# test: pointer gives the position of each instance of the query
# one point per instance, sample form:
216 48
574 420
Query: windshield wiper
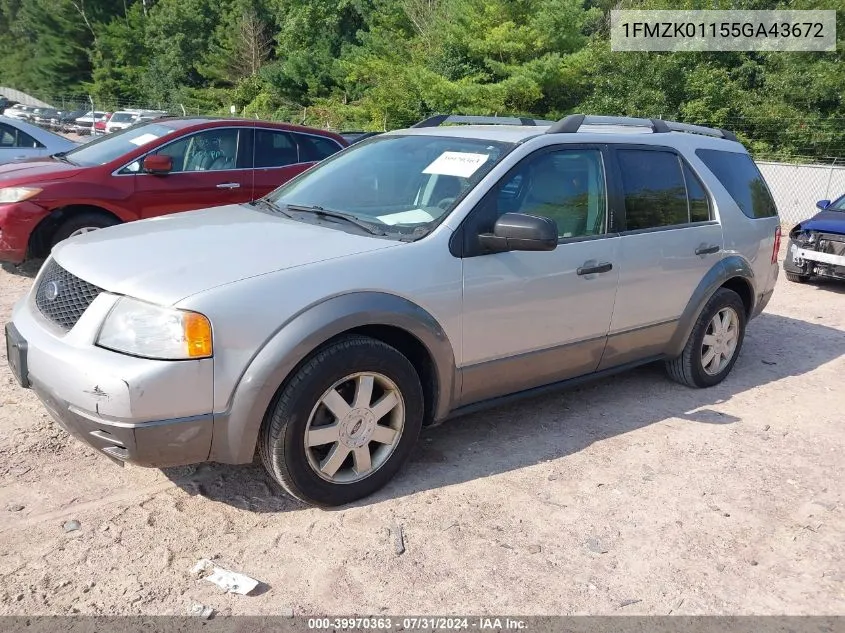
271 205
369 227
62 156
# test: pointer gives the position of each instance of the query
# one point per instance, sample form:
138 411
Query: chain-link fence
797 187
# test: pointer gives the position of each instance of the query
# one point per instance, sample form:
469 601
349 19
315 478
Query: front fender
236 430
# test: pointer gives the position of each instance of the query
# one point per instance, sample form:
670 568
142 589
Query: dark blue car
817 246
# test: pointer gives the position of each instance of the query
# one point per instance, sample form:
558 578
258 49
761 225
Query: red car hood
35 170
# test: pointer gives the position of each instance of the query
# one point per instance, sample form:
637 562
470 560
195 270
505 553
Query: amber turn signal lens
197 335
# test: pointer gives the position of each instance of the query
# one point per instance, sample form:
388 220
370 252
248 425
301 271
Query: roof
22 97
181 123
580 129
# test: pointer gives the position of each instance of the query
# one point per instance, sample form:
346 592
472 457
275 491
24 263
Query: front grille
63 297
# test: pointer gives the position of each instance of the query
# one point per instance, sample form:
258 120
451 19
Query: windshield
121 117
108 148
404 182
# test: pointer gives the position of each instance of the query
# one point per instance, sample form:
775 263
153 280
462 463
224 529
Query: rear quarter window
743 181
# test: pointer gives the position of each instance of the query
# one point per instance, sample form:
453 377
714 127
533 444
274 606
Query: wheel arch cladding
733 273
389 318
43 232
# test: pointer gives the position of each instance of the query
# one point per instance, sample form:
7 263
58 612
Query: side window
567 186
212 150
7 136
654 189
744 182
699 203
315 148
12 137
274 148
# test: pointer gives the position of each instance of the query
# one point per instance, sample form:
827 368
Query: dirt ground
632 495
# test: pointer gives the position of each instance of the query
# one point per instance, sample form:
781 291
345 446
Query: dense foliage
380 64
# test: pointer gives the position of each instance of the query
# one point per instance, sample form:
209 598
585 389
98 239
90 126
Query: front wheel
714 343
344 424
80 223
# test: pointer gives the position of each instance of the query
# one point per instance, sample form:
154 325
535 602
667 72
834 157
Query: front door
533 318
17 145
669 242
210 168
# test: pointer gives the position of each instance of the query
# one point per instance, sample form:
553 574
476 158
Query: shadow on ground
553 426
28 269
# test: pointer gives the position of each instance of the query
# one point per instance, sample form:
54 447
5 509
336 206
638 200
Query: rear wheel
798 279
80 223
714 343
344 424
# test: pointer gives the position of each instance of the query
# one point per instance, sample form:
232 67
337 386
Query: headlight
17 194
144 329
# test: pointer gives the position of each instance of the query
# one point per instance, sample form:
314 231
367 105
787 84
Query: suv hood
166 259
35 170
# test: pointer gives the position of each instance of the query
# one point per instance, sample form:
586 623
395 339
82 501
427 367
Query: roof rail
439 119
572 123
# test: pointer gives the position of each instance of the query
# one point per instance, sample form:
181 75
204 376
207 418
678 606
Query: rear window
743 181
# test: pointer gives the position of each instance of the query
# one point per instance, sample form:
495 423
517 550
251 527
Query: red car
164 166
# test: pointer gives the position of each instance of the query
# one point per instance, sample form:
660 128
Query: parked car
63 121
817 246
5 102
125 118
85 124
415 275
20 140
161 167
19 111
43 116
100 124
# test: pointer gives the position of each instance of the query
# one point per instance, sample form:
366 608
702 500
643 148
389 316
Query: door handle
594 268
228 185
707 249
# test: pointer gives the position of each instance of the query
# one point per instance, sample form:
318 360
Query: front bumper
17 221
141 411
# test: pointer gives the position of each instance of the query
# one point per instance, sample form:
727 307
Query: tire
79 222
300 409
689 368
795 277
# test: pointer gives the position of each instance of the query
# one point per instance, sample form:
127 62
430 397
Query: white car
19 111
122 119
20 140
85 124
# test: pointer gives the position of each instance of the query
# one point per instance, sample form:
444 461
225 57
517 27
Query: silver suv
414 276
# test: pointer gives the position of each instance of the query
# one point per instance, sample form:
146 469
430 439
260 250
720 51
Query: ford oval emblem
51 291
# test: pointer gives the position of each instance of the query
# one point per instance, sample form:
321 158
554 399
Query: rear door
17 145
670 239
210 168
279 155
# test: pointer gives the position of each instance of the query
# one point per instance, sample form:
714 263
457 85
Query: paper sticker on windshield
143 139
415 216
461 164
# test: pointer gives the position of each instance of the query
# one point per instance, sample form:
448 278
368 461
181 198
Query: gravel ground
632 495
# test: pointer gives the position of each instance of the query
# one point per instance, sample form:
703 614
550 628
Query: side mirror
823 204
157 164
520 232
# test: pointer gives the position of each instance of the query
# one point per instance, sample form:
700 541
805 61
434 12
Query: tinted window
566 186
275 149
315 148
212 150
744 182
699 203
13 137
654 189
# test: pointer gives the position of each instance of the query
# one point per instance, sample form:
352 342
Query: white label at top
143 139
461 164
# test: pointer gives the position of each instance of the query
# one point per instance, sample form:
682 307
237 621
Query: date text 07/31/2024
416 623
